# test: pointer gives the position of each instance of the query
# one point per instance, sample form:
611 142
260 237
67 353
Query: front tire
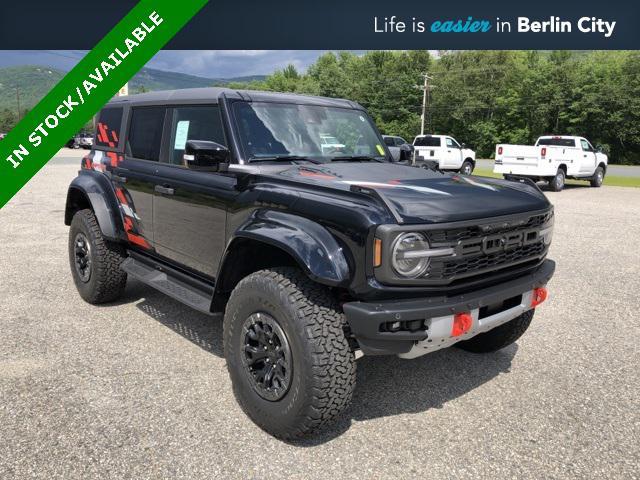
94 261
288 357
557 183
500 337
598 178
466 168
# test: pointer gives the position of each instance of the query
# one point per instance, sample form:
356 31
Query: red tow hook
539 295
461 324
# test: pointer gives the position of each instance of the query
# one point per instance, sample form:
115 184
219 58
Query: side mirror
599 148
463 145
206 155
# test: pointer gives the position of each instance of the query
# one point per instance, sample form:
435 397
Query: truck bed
529 160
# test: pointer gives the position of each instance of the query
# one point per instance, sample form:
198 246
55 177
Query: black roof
212 94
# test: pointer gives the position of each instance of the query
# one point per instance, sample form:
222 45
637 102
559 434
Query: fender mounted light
377 252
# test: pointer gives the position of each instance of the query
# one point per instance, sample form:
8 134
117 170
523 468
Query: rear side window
108 127
557 142
427 142
145 133
194 123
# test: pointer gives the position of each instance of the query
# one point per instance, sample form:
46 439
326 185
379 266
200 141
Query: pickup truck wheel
557 183
598 178
95 262
290 363
499 337
466 168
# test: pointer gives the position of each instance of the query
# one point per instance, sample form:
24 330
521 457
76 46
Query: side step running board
192 292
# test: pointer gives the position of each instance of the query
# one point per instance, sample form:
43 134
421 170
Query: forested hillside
28 84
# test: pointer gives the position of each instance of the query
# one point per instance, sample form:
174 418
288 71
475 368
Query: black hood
419 195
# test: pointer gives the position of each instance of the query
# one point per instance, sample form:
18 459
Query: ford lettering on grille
496 243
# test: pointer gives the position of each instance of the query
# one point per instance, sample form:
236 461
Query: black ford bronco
286 213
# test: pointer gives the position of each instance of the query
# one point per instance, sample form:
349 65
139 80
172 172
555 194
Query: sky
204 63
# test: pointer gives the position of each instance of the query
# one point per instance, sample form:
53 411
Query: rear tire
297 324
500 337
598 178
94 261
556 183
466 168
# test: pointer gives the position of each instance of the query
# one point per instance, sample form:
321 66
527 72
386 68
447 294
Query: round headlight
407 255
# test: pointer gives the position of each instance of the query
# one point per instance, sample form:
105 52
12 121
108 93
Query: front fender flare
313 247
98 191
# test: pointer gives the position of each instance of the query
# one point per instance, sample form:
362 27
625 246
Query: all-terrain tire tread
107 256
333 362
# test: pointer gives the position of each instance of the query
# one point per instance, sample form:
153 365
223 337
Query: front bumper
367 320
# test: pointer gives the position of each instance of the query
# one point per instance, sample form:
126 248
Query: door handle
118 178
585 155
164 190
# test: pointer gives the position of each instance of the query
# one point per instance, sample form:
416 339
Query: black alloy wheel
266 356
82 256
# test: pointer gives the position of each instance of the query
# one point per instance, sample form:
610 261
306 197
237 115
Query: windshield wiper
356 158
280 158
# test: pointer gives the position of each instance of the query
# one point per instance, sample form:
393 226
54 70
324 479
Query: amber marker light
377 252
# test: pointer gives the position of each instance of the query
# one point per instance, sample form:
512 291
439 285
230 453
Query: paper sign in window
182 133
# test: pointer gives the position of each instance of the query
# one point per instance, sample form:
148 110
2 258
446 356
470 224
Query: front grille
448 269
482 262
472 251
475 231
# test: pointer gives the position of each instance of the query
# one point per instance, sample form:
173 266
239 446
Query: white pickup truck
444 152
554 159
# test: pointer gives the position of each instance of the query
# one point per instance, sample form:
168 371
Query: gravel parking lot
139 389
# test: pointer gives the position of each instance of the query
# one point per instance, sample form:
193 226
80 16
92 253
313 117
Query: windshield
269 130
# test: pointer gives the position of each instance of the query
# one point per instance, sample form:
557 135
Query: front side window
389 141
452 143
281 130
194 123
586 146
145 133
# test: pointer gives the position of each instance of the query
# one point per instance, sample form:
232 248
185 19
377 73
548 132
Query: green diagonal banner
86 88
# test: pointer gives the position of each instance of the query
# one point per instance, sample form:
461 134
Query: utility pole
425 100
18 101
